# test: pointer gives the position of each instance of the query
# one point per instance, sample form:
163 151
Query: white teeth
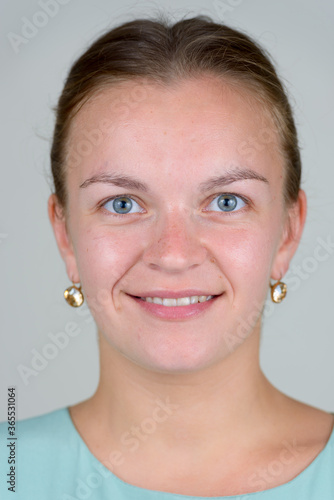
169 302
182 301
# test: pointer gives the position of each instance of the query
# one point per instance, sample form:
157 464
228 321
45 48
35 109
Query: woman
177 202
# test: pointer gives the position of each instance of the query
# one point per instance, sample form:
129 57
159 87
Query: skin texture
173 139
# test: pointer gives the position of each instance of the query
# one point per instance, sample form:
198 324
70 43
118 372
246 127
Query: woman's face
202 215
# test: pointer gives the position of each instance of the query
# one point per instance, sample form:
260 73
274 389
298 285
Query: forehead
187 122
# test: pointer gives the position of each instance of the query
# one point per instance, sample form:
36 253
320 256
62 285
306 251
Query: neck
172 412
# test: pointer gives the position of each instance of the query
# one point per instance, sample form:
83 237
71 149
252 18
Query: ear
58 221
291 235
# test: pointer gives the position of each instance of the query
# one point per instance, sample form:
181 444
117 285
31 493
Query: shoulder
317 453
40 451
35 435
305 424
312 425
46 420
307 437
50 424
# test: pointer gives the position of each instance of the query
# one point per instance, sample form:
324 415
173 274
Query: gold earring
278 291
74 296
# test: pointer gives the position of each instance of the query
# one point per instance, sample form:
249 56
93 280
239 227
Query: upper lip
169 294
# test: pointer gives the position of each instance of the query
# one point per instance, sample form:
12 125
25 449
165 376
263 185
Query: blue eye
121 205
124 205
228 203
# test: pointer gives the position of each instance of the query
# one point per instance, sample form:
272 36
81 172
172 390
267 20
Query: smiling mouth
182 301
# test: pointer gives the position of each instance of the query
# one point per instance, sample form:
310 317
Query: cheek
245 256
245 259
105 257
103 260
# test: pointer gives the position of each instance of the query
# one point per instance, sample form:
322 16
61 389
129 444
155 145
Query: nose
175 244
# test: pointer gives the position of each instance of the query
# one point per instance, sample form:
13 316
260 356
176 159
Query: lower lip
175 312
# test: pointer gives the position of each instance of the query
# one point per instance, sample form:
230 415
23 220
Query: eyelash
126 195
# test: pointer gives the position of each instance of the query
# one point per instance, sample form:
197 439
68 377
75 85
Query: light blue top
54 463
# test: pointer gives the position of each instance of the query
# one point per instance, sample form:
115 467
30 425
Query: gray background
298 339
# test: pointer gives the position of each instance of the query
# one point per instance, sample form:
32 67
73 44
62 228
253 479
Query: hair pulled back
163 53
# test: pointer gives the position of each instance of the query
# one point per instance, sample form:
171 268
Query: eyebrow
120 180
233 175
128 182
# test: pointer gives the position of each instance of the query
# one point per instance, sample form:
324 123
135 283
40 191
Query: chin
178 361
